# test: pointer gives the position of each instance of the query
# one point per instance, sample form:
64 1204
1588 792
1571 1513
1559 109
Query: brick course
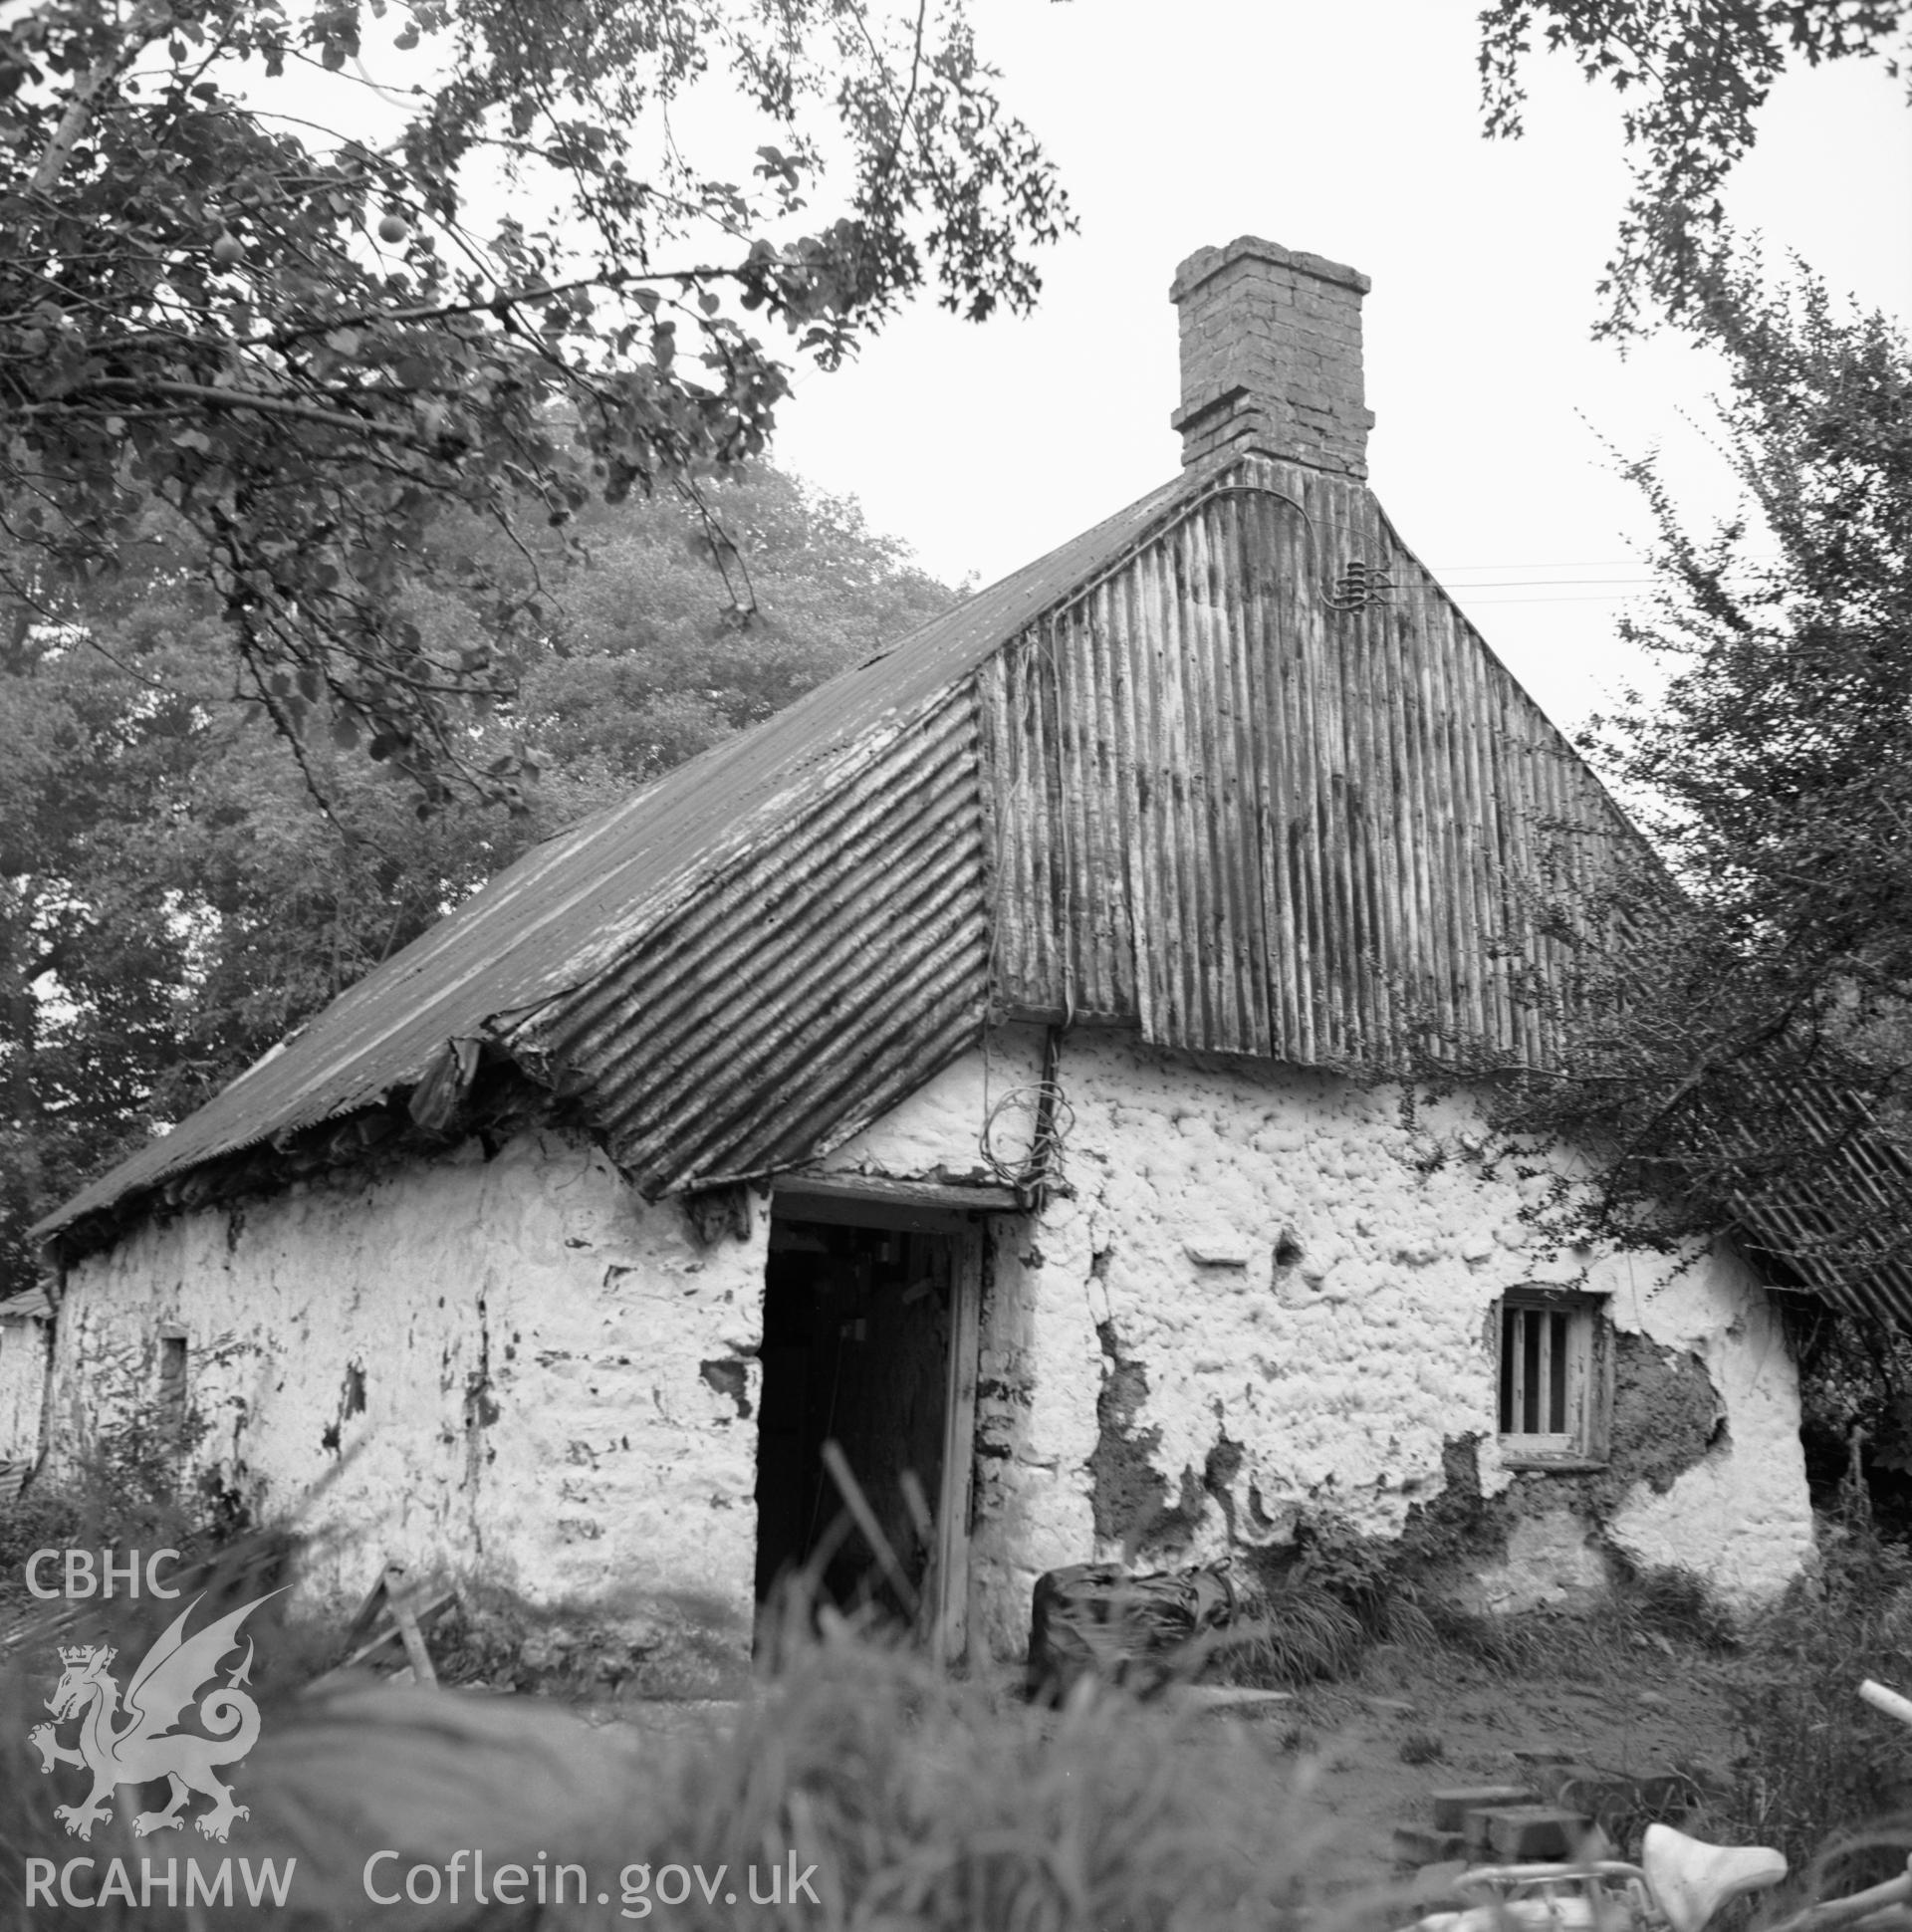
1272 356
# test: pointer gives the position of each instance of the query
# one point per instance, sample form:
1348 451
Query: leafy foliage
1737 1021
1817 1763
240 281
1695 73
180 894
628 685
132 1480
1855 1420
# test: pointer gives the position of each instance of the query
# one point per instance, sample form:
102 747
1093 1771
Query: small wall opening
857 1323
172 1380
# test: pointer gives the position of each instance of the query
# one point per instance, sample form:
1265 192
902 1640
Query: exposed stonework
1667 1416
1258 1299
1298 1295
511 1367
1124 1491
1546 1539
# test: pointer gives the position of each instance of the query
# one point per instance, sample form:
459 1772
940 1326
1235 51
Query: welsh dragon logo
136 1744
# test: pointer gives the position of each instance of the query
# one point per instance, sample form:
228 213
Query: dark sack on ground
1092 1620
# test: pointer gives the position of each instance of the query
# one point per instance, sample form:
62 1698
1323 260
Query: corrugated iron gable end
1253 821
815 982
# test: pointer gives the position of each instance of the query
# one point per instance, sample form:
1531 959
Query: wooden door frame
928 1207
949 1605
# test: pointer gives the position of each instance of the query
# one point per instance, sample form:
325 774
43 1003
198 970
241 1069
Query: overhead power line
1572 563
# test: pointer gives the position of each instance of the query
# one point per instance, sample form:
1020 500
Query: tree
1695 72
309 343
1736 1031
629 686
174 899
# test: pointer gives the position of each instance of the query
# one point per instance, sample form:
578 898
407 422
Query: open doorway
869 1343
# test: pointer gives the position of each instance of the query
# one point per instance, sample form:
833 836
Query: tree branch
149 19
213 398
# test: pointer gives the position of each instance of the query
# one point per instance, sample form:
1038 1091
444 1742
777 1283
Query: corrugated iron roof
1187 793
808 986
567 912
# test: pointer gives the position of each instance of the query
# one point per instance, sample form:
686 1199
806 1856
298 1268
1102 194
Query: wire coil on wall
1052 1119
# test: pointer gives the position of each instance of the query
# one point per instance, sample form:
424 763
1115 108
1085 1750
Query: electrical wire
1054 1119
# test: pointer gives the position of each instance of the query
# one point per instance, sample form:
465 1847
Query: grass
906 1799
931 1805
1293 1634
1826 1778
1643 1610
920 1801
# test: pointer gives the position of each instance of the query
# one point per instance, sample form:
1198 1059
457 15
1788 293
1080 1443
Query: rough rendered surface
23 1377
1264 1297
496 1366
1259 1299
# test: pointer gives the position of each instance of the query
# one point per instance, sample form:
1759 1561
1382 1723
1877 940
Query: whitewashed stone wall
1290 1292
23 1384
528 1341
1277 1294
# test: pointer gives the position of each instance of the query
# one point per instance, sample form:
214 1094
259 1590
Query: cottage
26 1331
973 1067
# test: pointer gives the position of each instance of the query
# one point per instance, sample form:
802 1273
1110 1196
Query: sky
1353 130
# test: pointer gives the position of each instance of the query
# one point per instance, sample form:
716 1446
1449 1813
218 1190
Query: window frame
174 1376
1588 1355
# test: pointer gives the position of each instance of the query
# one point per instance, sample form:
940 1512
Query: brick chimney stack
1272 356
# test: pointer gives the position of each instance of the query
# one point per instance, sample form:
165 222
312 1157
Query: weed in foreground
1816 1764
1293 1634
132 1480
916 1801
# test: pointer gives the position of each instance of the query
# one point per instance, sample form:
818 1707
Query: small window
1553 1378
172 1379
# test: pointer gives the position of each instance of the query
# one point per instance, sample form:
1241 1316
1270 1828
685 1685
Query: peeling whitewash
527 1336
1270 1258
23 1386
1341 1374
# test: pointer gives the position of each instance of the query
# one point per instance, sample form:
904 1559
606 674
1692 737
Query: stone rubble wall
1263 1297
490 1367
23 1386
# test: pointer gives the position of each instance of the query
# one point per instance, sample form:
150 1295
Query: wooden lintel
1026 1013
872 1201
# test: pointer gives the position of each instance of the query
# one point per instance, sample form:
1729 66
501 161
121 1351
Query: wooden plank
950 1639
369 1612
378 1603
1517 1339
1543 1395
865 1518
398 1600
392 1632
868 1200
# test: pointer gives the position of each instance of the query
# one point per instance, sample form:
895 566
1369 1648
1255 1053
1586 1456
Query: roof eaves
511 950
